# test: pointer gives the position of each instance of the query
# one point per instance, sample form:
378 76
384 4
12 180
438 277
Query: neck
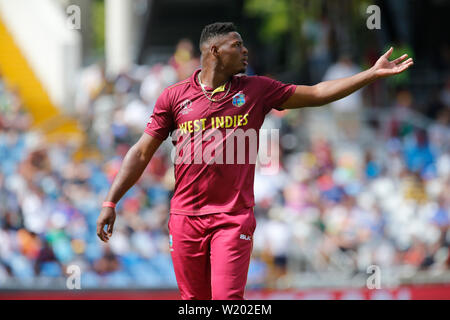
212 78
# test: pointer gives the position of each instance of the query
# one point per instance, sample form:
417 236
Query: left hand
385 68
107 217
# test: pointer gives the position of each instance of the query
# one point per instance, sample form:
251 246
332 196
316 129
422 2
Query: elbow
318 97
139 154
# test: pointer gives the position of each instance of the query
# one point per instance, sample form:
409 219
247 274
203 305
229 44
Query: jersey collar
196 84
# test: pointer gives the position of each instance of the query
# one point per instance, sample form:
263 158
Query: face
232 54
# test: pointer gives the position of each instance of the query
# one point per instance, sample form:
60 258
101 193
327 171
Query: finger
388 53
403 67
398 60
100 232
110 228
409 65
406 64
408 61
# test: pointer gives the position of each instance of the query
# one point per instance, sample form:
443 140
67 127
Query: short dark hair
216 29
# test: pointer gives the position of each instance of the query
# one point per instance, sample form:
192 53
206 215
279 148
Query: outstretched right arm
134 164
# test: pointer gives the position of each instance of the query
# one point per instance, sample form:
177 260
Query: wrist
373 75
108 204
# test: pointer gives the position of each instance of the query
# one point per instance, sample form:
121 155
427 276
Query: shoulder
254 81
170 93
179 85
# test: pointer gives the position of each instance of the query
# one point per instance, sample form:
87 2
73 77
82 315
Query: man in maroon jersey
211 212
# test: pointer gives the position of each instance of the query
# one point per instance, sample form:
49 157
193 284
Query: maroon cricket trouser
211 253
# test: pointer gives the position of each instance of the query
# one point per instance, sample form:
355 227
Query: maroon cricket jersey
205 186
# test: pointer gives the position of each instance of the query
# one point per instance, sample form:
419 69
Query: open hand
385 68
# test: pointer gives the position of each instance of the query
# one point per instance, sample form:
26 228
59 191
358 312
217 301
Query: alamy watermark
229 146
73 281
73 20
374 280
374 20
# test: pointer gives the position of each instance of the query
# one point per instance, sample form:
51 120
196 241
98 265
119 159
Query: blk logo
245 237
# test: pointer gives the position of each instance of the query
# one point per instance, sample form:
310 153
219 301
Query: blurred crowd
376 195
340 205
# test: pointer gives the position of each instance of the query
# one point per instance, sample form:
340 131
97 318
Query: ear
214 50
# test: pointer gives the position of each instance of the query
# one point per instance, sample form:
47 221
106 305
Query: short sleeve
161 122
275 93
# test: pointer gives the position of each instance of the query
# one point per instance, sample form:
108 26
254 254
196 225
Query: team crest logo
186 106
239 99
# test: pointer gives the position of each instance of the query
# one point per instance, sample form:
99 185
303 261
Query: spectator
328 209
347 111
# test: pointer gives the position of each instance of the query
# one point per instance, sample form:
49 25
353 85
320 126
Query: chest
195 113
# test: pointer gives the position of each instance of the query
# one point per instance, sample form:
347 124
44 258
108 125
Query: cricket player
211 221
